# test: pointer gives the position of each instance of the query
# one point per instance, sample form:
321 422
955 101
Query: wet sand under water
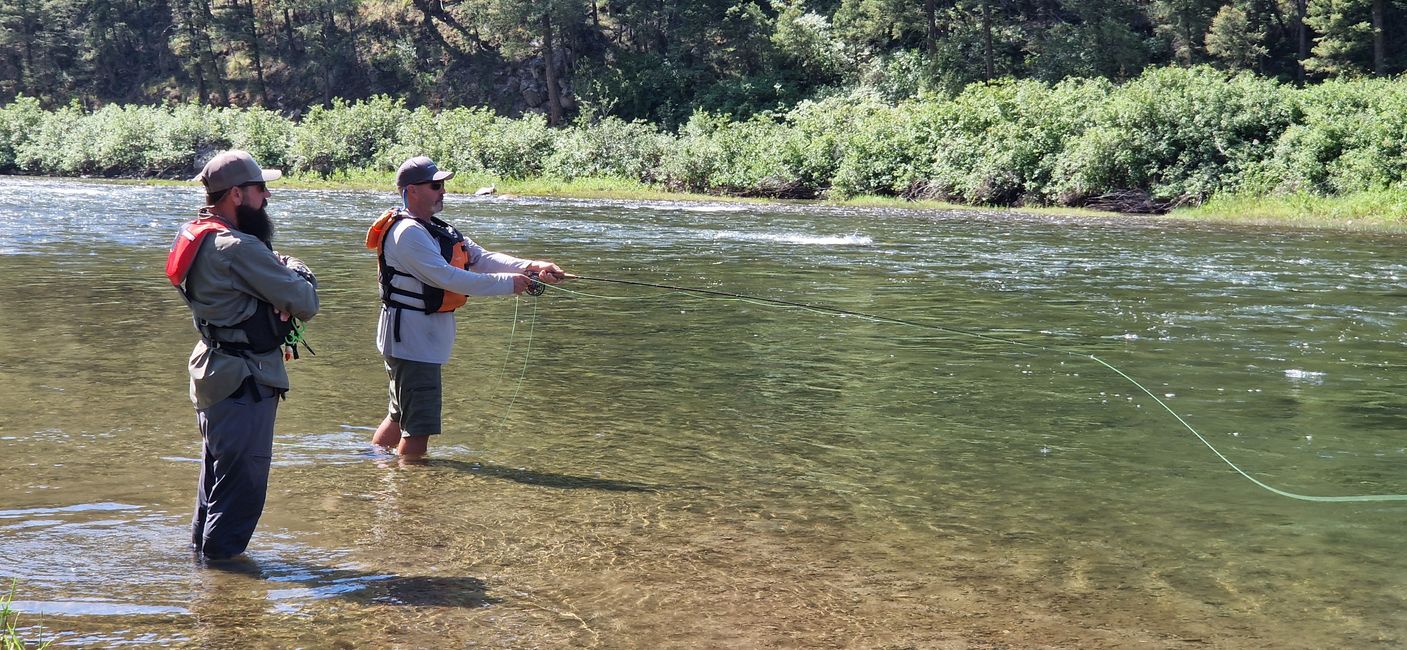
452 553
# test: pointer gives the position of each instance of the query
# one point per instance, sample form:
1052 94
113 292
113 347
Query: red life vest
263 332
453 248
187 244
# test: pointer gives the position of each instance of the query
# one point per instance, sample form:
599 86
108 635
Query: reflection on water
629 467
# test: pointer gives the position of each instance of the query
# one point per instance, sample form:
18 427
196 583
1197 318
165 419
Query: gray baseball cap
231 168
420 169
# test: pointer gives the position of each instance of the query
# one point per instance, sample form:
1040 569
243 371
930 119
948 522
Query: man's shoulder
235 242
230 249
408 226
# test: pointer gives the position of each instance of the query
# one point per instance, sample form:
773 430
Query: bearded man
243 296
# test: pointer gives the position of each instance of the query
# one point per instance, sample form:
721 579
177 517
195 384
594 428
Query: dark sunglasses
435 185
259 184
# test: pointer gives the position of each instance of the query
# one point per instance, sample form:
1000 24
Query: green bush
889 150
346 136
610 147
125 138
56 145
1174 132
998 142
266 135
815 142
511 148
1351 137
18 122
713 154
182 135
473 140
424 132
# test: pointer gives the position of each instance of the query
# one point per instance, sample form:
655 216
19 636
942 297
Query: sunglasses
256 184
436 185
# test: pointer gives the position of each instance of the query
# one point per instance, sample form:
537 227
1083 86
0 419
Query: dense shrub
713 154
265 134
51 143
610 147
511 148
1351 135
889 150
998 143
18 122
815 142
1174 132
1171 133
346 136
425 133
185 137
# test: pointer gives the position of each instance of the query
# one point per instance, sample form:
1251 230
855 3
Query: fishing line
833 311
527 352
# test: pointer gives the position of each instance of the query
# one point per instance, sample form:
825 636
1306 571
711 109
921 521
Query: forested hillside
655 60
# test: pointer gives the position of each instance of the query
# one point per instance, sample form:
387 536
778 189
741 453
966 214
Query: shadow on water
531 477
318 582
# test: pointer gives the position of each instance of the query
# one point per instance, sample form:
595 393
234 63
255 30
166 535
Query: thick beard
255 221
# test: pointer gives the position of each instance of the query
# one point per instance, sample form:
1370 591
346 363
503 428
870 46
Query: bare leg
388 434
413 448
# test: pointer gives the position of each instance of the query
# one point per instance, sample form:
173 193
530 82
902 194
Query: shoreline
1383 211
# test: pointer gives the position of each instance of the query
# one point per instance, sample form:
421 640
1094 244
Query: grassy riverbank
1382 211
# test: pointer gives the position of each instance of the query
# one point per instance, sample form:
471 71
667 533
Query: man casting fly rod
426 271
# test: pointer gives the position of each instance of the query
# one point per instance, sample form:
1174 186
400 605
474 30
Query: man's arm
484 260
267 278
417 253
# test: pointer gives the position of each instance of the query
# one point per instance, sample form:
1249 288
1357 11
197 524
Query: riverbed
945 466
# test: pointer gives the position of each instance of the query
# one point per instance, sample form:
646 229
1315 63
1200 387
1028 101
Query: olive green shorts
415 396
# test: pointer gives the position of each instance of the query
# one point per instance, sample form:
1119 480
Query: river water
631 467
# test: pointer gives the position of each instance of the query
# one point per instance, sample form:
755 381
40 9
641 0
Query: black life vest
453 247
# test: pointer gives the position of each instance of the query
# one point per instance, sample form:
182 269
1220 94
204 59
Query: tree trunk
256 54
930 17
204 18
329 30
1301 38
198 52
288 34
549 59
1379 50
987 35
27 80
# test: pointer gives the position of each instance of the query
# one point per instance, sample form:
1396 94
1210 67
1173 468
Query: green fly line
834 311
527 351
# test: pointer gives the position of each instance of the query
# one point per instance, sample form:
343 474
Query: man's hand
521 282
297 266
547 272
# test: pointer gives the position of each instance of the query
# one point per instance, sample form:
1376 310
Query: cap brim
442 176
272 175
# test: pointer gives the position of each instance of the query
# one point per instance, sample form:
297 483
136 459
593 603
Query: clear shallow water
680 471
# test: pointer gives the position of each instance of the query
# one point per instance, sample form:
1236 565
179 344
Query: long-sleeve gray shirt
231 273
429 338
